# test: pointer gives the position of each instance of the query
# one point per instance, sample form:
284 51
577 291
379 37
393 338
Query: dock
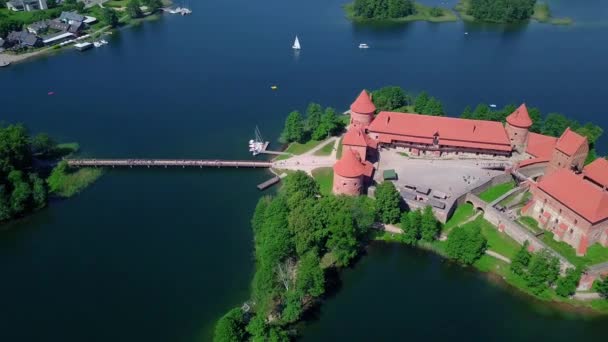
217 163
267 184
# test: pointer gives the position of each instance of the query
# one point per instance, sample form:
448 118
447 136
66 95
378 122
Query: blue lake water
158 255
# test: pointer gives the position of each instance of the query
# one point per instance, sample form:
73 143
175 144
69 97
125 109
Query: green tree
543 270
566 285
307 227
421 102
591 131
43 144
537 121
343 239
294 128
601 286
388 202
410 227
293 307
466 244
429 226
39 191
275 239
399 8
298 186
502 11
390 98
231 327
5 208
134 9
15 150
521 260
436 12
555 124
327 126
21 193
310 278
313 116
109 17
259 215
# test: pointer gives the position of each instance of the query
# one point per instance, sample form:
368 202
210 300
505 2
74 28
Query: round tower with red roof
362 110
518 126
349 174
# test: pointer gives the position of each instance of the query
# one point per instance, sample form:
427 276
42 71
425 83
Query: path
307 161
498 256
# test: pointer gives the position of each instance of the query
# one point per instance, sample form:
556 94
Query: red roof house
351 166
363 104
597 171
570 142
520 117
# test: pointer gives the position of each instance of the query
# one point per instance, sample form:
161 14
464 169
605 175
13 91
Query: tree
555 124
591 132
566 285
601 287
310 278
231 327
15 149
275 240
502 11
298 186
388 202
466 243
109 17
436 12
410 227
134 9
49 3
389 98
421 101
294 128
43 144
543 270
521 260
313 116
343 241
327 126
259 214
39 191
5 208
307 227
429 226
152 5
21 192
293 307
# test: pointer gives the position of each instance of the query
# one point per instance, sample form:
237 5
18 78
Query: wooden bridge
168 163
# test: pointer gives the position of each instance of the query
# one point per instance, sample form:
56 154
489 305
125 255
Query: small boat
97 44
50 93
4 64
363 46
274 87
493 105
83 46
466 33
296 44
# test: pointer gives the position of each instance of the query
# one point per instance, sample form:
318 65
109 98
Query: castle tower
362 110
570 152
517 127
349 174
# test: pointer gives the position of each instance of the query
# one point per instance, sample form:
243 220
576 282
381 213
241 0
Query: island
34 27
31 169
492 11
505 190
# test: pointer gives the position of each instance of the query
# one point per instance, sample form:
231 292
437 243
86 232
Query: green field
496 191
461 214
71 182
326 149
325 177
339 151
297 148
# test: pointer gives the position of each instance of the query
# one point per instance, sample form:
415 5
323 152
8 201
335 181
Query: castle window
575 221
560 210
515 133
545 201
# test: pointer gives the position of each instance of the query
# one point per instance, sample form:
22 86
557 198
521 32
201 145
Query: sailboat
256 146
296 44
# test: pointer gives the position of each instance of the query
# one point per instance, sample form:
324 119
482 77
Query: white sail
296 44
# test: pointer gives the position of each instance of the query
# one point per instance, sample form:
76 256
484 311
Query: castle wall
518 137
347 186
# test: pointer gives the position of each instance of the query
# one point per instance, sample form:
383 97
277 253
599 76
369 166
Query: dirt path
307 161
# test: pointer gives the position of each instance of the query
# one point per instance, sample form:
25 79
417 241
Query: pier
168 163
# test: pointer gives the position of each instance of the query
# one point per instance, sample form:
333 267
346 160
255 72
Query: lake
159 255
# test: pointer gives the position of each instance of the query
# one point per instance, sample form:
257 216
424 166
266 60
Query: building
518 127
38 27
23 39
71 18
570 152
351 173
356 140
26 5
574 206
362 110
438 134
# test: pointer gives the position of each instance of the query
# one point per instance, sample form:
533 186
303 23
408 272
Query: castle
570 200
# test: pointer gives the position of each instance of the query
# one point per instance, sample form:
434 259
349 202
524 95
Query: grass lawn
530 223
72 182
423 13
326 149
325 177
595 253
461 214
116 3
496 191
297 148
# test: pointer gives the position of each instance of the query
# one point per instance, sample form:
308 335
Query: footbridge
200 163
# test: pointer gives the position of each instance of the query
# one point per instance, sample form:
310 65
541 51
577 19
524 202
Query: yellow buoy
274 87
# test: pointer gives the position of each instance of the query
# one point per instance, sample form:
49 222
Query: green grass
405 154
462 8
493 193
116 3
326 149
297 148
423 13
325 177
542 14
498 242
595 253
530 223
70 182
461 214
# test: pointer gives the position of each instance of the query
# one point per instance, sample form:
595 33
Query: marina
83 46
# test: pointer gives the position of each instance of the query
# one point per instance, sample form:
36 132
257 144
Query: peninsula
527 206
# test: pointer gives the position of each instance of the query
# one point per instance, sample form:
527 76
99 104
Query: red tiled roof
570 142
363 104
532 161
597 171
520 117
540 145
581 196
351 166
355 136
451 131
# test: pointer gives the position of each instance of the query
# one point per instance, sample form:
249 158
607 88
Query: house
58 25
26 5
71 18
38 27
23 39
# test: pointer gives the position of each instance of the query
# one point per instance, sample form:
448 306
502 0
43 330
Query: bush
566 285
388 202
230 328
466 244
